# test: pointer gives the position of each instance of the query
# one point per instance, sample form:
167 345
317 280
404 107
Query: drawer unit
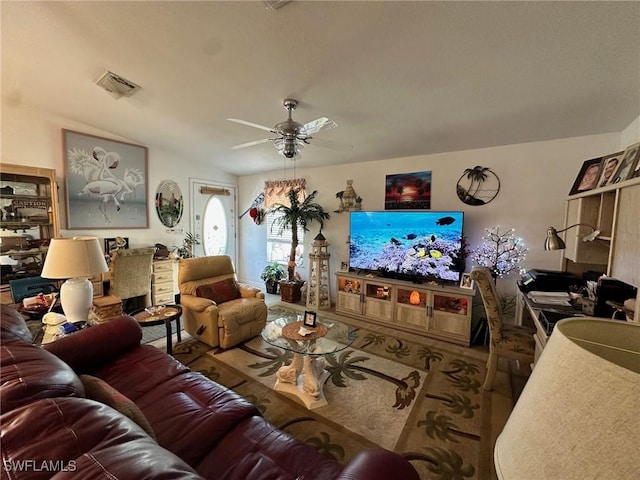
163 282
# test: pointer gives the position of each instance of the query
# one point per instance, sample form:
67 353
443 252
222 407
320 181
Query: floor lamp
75 259
577 417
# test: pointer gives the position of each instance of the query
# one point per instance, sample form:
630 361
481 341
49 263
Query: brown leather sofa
50 429
213 312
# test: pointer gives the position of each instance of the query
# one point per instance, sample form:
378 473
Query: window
279 245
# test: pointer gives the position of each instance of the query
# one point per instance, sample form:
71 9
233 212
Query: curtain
276 191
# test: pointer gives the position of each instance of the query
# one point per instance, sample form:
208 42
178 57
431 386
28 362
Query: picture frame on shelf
309 319
106 182
588 176
610 164
466 281
112 244
626 169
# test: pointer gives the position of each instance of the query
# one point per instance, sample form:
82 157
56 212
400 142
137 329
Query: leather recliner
219 324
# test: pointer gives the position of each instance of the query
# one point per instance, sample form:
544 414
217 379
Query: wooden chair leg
492 368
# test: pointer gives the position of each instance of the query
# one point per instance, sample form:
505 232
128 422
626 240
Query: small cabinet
28 219
439 312
163 282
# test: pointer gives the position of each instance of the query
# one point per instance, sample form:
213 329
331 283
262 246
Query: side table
156 315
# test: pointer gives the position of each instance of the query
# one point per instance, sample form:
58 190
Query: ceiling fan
291 136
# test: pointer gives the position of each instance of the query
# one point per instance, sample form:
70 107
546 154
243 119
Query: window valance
276 191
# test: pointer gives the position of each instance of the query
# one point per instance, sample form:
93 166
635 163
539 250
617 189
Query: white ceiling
399 78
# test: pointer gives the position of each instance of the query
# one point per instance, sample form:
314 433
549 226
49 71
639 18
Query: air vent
116 85
275 4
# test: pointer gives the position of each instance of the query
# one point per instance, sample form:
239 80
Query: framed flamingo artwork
106 182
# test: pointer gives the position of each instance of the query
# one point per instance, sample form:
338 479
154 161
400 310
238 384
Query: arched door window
214 228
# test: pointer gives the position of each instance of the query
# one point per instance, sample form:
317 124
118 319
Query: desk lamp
554 242
577 417
75 259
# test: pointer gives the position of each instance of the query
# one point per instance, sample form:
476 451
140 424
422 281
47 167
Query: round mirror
169 203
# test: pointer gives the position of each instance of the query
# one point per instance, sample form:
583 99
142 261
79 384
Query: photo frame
626 169
106 182
309 319
407 191
466 281
588 176
610 164
115 243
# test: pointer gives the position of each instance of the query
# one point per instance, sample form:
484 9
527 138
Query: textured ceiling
399 78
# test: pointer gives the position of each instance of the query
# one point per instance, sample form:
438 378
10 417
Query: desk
528 313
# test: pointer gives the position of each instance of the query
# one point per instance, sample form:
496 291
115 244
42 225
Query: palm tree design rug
419 397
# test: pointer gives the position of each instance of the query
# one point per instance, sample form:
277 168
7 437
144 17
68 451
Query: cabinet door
349 299
451 316
377 301
411 307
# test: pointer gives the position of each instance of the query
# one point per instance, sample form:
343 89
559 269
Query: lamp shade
553 241
74 257
577 417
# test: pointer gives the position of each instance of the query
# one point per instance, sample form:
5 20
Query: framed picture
106 182
408 191
610 164
627 166
115 243
309 319
587 179
466 281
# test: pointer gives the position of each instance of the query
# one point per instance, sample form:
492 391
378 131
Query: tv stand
430 310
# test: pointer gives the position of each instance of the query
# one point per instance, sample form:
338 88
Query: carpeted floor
416 396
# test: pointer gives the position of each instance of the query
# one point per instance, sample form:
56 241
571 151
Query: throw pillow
219 292
100 391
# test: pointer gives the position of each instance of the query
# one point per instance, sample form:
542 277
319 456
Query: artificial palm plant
297 214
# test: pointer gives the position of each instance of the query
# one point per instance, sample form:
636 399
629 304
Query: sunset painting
408 191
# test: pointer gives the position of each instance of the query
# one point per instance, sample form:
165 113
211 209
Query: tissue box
106 307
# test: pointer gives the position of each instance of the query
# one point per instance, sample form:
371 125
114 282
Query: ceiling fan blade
321 142
251 144
314 126
254 125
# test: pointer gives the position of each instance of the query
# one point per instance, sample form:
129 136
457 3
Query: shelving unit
430 310
614 211
29 219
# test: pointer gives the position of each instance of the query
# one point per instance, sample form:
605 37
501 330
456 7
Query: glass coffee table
305 376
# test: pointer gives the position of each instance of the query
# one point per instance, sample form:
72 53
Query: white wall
535 178
535 181
34 137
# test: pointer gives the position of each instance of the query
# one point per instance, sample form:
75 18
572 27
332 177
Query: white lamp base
76 297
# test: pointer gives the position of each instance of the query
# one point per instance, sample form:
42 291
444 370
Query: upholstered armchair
509 341
130 271
216 308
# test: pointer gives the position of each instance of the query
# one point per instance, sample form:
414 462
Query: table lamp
554 242
577 417
75 259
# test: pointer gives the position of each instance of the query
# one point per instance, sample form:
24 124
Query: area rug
419 397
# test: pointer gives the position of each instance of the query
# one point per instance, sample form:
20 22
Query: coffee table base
304 378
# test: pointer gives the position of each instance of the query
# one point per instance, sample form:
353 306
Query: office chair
131 277
509 341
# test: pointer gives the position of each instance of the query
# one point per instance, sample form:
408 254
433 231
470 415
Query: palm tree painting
408 191
478 186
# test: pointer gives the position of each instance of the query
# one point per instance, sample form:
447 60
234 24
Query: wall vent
116 85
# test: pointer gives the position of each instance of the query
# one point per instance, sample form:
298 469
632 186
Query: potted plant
296 214
271 275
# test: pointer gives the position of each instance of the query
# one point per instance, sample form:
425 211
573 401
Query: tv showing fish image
415 245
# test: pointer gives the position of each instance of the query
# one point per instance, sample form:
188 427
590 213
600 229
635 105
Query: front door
213 217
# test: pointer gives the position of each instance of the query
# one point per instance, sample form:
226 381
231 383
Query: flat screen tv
413 245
